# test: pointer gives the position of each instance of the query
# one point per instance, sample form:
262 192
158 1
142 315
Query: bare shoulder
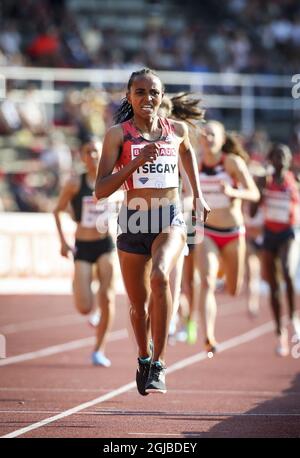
234 162
180 128
72 185
114 133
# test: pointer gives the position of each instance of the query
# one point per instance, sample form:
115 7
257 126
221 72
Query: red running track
50 389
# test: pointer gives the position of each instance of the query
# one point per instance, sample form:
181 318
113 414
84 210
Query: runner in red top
143 149
280 201
225 183
162 173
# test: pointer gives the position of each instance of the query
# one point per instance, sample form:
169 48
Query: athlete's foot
156 382
99 359
94 318
142 374
282 348
191 332
253 310
181 335
210 346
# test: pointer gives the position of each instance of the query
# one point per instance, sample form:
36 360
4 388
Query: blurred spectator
26 197
45 48
77 53
93 39
10 39
57 157
10 120
234 31
33 112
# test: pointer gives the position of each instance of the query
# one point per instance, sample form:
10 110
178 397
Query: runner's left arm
189 162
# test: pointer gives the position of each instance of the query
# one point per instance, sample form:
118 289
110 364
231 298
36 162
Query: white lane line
181 391
66 413
42 323
163 413
230 343
54 390
53 350
194 414
227 307
70 320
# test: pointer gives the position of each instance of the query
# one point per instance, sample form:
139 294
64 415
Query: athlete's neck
150 126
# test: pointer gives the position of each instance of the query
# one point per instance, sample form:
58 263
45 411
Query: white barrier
30 260
30 247
218 89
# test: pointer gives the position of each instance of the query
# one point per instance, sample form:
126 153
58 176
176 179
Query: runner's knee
107 295
83 302
159 280
138 312
83 308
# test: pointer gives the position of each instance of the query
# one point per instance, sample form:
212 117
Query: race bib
278 211
162 173
92 211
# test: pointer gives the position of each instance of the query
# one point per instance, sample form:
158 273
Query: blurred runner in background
92 249
280 202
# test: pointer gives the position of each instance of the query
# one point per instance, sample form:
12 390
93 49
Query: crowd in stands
249 36
257 36
38 155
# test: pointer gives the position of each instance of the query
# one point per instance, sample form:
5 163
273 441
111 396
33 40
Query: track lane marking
163 413
42 323
230 343
60 348
227 307
180 391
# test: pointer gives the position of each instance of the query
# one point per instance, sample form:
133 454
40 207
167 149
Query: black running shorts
90 251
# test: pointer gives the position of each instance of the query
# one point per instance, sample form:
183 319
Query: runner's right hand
65 249
147 154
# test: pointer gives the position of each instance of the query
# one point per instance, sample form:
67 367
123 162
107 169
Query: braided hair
183 106
125 111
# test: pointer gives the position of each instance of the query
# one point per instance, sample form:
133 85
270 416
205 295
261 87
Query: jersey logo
143 180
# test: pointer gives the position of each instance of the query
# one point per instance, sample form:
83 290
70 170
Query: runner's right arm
107 182
66 194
